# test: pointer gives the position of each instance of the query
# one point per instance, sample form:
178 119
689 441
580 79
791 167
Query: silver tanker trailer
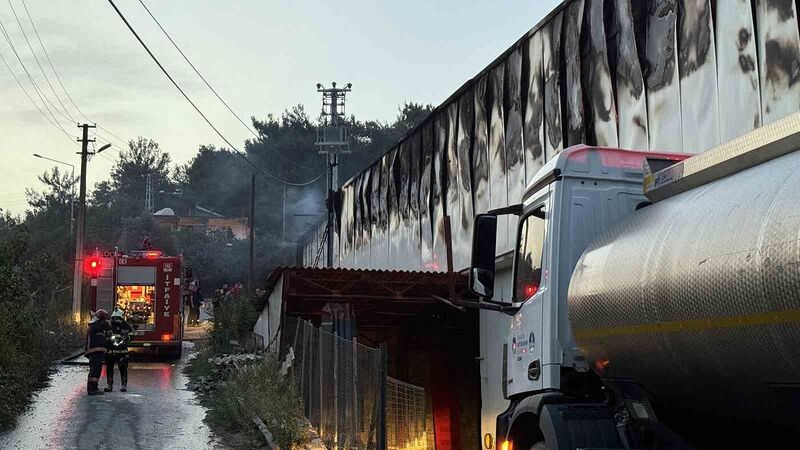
656 298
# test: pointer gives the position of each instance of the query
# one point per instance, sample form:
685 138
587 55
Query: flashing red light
152 254
531 289
92 266
166 337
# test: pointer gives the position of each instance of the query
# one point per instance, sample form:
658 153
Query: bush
224 378
267 395
31 338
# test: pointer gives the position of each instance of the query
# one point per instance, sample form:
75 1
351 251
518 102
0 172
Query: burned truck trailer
148 287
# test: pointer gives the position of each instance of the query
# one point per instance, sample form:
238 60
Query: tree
129 176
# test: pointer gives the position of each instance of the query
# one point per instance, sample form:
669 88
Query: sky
262 56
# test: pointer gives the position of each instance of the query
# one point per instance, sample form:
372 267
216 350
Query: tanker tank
697 298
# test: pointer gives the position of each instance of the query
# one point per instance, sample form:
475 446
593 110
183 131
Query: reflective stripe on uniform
96 349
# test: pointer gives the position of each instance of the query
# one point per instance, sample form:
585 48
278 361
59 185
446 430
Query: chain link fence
347 395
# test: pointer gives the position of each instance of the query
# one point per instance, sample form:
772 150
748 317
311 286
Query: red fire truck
148 287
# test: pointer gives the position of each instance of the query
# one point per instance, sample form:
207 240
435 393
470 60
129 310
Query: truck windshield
529 254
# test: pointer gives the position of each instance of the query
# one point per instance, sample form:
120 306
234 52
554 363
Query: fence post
321 385
383 373
336 440
356 434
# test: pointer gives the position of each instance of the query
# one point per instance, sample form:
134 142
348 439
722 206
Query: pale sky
262 56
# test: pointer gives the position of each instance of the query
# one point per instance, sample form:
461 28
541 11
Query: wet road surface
157 412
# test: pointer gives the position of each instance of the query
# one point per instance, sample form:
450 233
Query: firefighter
95 349
118 350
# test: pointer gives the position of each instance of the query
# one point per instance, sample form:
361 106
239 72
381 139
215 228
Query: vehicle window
529 255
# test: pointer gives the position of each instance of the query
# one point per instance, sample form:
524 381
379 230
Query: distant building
202 219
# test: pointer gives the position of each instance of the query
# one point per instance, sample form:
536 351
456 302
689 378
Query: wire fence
347 395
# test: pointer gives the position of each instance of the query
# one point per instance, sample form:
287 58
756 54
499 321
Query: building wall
269 321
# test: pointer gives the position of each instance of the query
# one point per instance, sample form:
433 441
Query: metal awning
380 293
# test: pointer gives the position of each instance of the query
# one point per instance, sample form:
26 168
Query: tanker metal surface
697 297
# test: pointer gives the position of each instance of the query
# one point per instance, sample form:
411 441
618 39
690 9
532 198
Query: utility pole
332 140
77 277
252 223
148 194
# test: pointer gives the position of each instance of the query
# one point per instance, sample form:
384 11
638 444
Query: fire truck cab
148 287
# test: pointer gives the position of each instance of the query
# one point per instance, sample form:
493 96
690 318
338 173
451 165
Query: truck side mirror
481 271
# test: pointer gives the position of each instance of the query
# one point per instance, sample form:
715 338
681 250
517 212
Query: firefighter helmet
102 314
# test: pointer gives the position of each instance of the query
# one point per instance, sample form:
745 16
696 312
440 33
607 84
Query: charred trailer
148 287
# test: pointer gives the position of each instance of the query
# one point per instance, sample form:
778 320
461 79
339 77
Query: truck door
526 338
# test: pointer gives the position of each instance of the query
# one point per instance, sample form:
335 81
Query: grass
234 385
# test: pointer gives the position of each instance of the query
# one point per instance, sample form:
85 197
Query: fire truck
148 287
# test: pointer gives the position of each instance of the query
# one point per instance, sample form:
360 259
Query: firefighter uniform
118 350
95 348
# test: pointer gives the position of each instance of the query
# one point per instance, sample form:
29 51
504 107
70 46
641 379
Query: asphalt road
157 412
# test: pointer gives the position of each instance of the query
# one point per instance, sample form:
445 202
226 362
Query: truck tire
541 445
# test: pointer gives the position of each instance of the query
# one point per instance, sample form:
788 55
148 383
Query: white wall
268 323
493 331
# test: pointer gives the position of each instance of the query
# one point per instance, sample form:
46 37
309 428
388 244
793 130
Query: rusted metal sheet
438 190
425 197
515 153
533 131
462 219
382 247
631 98
663 84
414 148
737 71
480 148
697 65
573 21
779 58
601 114
345 240
498 183
358 214
551 48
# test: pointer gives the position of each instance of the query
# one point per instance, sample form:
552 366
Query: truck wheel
541 445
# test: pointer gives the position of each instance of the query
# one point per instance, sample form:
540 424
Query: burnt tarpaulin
425 197
551 48
498 184
533 130
453 198
697 66
480 148
438 192
462 220
413 145
663 87
779 56
573 20
601 111
631 99
740 99
395 218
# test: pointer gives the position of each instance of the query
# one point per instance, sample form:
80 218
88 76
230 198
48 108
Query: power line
186 58
46 78
185 96
30 78
58 77
36 105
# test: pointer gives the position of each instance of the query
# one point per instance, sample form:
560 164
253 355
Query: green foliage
259 389
35 326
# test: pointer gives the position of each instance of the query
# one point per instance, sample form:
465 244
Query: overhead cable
186 58
196 108
46 78
58 77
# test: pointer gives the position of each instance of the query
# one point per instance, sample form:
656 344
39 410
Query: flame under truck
148 287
